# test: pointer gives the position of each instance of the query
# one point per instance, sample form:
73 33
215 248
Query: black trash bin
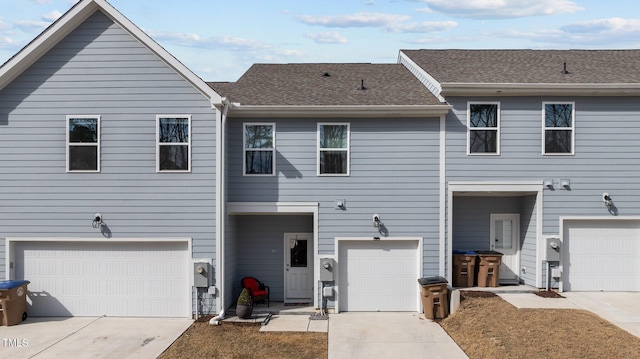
13 301
434 294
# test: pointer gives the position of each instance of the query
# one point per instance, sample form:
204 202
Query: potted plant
244 306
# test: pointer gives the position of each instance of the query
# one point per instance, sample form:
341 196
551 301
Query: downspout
221 120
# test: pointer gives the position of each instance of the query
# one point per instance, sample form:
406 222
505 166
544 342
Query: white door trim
419 268
287 238
516 218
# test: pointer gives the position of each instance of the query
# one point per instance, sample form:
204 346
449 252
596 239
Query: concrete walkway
388 335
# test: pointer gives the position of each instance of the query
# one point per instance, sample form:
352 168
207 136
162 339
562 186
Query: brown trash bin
464 268
434 294
13 301
489 268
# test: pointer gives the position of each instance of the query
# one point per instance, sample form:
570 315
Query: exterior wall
528 248
260 249
394 172
605 159
100 70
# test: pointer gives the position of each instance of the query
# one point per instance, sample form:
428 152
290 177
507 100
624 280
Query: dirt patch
234 340
493 328
548 294
475 294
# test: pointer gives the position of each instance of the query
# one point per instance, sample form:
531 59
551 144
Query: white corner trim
442 234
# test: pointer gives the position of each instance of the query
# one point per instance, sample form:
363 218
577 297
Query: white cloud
52 16
615 25
5 40
195 40
500 9
361 19
41 1
423 27
31 25
332 37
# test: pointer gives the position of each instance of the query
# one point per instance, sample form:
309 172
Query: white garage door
113 279
601 255
378 275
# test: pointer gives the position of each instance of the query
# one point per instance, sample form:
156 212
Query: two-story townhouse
107 171
541 144
335 162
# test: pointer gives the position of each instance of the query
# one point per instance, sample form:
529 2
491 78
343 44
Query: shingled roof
530 66
327 85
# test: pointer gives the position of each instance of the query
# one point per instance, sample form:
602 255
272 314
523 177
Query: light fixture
607 200
376 221
97 221
565 183
548 183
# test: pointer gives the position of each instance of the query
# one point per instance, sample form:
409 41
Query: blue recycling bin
13 301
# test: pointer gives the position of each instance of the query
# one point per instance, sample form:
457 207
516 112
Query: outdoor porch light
376 221
97 221
607 200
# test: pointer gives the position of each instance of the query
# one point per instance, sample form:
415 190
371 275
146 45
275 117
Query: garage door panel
113 279
378 276
602 255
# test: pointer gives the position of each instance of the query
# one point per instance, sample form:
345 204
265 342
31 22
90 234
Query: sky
219 40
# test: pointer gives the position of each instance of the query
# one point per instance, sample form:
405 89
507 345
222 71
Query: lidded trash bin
464 268
434 294
489 268
13 301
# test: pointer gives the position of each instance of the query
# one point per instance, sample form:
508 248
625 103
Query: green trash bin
13 301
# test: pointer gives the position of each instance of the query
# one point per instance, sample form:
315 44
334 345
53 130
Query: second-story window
558 128
483 129
83 143
174 143
333 149
259 148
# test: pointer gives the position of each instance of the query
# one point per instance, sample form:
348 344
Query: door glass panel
298 251
504 231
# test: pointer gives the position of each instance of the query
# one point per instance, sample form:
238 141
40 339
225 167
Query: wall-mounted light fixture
97 221
376 221
548 183
607 200
565 183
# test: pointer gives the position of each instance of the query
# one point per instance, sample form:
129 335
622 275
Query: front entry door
298 272
505 238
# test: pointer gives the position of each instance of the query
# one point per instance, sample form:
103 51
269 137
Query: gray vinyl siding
528 227
393 172
100 70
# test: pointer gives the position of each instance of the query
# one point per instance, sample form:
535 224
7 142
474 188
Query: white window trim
158 117
244 149
348 149
497 129
97 144
572 128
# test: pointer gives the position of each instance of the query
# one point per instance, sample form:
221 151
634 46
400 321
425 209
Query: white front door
505 238
298 271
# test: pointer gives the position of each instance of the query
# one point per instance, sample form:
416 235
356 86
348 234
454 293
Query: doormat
318 316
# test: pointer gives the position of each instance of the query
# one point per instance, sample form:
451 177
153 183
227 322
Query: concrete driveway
90 337
620 308
389 335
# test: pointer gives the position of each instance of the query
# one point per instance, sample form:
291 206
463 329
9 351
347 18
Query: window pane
334 136
259 162
558 115
557 141
83 130
174 157
299 253
173 130
83 158
333 162
258 136
483 115
483 141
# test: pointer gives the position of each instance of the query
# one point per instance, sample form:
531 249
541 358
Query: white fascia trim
406 60
271 207
419 264
72 19
597 218
101 239
498 186
533 89
434 111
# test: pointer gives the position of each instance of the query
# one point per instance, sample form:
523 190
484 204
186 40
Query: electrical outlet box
556 273
327 292
327 269
201 274
553 249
